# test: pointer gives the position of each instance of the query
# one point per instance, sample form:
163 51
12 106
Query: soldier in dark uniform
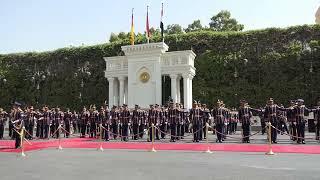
58 121
114 116
163 122
18 125
234 118
245 115
142 122
300 110
67 122
195 119
105 121
271 114
158 118
184 119
75 122
218 114
125 118
45 123
152 120
52 126
172 119
179 113
31 118
136 113
94 115
3 119
316 112
205 113
14 116
39 122
84 119
292 120
283 121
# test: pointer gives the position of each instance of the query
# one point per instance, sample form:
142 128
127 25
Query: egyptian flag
148 35
132 30
161 23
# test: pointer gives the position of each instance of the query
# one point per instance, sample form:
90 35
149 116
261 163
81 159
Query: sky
44 25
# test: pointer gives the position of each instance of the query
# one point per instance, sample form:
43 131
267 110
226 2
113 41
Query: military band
172 120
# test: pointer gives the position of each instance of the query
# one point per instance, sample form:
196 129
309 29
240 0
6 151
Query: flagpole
132 29
147 26
161 23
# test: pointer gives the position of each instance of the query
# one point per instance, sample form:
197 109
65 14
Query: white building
136 77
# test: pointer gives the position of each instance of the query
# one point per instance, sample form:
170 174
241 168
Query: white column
178 89
116 92
111 95
174 87
186 91
190 91
121 89
126 91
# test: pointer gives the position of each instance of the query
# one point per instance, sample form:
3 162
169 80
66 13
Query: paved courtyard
84 164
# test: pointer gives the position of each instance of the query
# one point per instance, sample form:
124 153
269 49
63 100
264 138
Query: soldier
152 120
58 121
38 123
283 121
75 122
84 119
142 122
205 113
31 118
226 121
299 112
218 114
245 115
67 122
234 118
18 125
45 123
292 120
3 119
172 119
317 119
125 118
114 116
163 122
136 113
14 115
52 126
179 121
104 116
271 114
94 115
195 119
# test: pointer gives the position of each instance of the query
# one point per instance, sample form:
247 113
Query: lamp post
236 75
37 78
82 73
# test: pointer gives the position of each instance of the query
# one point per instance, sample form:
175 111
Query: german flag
132 30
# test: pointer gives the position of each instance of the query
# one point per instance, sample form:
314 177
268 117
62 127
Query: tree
223 22
121 36
155 32
174 29
195 26
113 37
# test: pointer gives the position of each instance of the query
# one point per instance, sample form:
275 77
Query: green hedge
278 64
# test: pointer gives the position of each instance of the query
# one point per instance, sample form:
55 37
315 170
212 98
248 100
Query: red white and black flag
148 35
161 23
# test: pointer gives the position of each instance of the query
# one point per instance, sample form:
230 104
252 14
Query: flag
148 35
161 23
132 30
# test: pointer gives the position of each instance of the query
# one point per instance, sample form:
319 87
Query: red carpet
8 146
